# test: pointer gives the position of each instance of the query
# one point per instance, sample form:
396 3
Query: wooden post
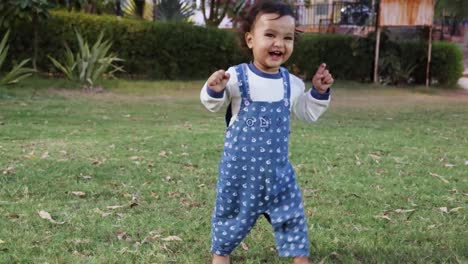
376 59
377 43
429 53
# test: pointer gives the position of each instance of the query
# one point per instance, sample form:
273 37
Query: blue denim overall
256 177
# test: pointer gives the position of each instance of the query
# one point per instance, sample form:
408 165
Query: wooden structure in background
404 13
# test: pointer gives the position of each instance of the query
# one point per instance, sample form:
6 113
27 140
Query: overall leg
289 223
232 220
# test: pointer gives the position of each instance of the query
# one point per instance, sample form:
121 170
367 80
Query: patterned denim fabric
256 177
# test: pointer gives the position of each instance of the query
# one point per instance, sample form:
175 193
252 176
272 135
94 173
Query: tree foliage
33 11
455 8
12 11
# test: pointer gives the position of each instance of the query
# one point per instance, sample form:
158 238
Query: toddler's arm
213 94
311 105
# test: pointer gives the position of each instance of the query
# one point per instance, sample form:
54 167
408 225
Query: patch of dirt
396 98
111 95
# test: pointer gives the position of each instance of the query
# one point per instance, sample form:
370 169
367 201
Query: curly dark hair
247 19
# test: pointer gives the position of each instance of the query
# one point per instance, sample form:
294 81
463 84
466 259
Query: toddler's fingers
325 73
317 77
221 75
328 80
321 68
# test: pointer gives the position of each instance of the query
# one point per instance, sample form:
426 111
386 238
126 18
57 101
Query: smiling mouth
276 55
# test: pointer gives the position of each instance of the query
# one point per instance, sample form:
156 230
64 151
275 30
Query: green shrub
447 63
89 63
346 56
156 51
18 72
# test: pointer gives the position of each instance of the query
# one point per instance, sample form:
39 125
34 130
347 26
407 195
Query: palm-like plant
174 10
89 64
18 72
138 9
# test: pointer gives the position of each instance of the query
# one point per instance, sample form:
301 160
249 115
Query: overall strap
243 82
286 84
243 88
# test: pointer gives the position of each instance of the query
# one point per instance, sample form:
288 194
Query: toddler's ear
248 39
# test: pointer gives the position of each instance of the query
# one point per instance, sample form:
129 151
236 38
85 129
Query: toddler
255 175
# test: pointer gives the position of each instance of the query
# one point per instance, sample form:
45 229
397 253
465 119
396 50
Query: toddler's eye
289 38
269 35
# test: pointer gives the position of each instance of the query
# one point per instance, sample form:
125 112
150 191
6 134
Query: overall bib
256 177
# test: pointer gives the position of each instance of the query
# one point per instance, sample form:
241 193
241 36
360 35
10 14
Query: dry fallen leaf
154 195
30 155
137 158
153 235
438 176
172 238
135 200
122 235
86 177
456 209
244 246
443 209
45 155
105 214
402 211
12 216
45 215
113 207
78 193
384 216
9 170
2 242
375 157
97 161
163 153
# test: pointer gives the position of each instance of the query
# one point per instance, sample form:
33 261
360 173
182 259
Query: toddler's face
271 40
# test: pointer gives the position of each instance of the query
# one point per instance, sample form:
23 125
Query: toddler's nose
278 43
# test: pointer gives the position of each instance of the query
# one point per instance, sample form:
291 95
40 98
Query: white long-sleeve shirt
306 106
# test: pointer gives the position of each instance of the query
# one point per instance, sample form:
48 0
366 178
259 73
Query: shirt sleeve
214 101
308 106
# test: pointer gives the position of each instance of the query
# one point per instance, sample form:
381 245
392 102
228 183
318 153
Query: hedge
184 51
150 50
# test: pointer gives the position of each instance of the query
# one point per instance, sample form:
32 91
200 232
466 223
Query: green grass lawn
132 171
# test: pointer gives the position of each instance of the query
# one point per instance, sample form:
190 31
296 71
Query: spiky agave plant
89 64
143 9
18 72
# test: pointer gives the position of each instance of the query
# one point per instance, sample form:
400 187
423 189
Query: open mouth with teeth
276 55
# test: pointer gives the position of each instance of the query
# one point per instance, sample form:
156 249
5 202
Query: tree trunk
154 10
35 41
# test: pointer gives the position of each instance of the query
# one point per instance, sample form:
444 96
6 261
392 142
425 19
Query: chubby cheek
290 48
288 51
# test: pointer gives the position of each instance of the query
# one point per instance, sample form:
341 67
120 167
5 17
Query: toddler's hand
322 79
218 80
